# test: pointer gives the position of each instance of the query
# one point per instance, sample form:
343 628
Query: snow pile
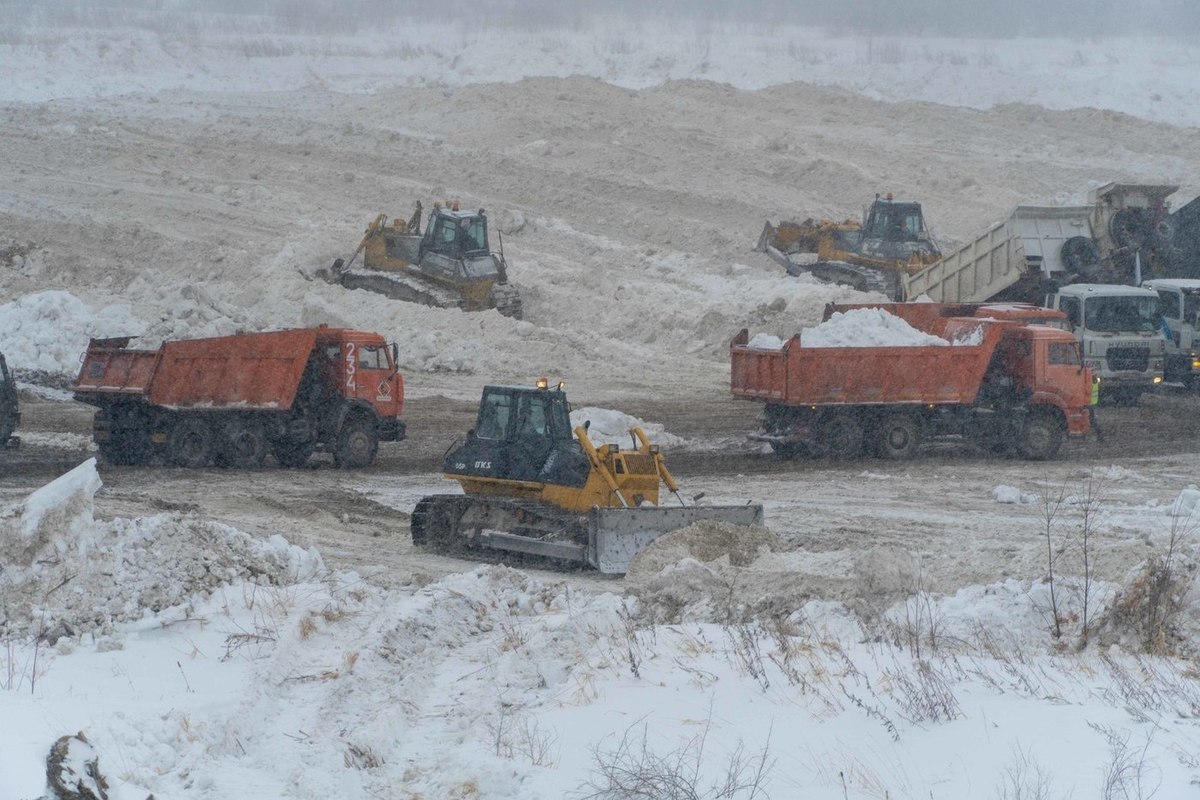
66 573
765 341
48 331
867 327
612 427
1012 495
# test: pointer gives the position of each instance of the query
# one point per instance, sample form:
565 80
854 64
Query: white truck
1038 254
1179 302
1120 331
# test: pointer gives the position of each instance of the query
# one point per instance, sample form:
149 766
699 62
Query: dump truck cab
1179 303
10 415
1119 329
361 368
1047 370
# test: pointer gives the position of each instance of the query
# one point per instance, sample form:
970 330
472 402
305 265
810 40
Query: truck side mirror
395 355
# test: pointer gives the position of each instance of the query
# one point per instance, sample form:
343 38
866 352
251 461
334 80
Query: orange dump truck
230 400
1012 387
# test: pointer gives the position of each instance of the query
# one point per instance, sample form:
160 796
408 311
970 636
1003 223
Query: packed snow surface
202 663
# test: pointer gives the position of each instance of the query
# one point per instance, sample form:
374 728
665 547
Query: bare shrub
633 770
1128 775
1023 778
519 736
1148 608
361 757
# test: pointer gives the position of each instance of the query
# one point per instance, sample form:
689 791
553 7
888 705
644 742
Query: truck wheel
292 454
356 445
243 445
787 450
190 443
125 451
1041 436
841 437
897 436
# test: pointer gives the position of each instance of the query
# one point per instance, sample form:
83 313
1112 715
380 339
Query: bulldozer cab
521 434
892 221
456 233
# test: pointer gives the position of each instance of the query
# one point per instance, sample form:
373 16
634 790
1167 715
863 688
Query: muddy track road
359 520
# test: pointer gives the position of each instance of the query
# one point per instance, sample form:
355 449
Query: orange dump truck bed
818 376
247 371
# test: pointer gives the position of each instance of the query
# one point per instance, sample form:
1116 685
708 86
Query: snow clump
612 427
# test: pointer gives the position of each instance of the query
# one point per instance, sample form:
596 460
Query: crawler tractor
531 485
875 254
450 265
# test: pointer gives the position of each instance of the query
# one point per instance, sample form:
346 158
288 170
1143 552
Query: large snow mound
66 573
48 331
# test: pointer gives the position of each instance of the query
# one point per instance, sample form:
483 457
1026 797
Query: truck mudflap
616 535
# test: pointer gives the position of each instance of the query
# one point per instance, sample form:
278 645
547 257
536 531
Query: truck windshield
1119 314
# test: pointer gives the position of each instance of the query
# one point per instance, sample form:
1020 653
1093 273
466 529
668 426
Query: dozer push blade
616 535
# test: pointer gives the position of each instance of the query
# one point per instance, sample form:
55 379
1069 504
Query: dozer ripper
873 255
450 265
532 485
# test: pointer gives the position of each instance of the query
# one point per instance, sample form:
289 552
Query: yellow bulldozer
450 265
873 254
532 485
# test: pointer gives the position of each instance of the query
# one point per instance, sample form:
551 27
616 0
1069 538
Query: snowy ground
892 637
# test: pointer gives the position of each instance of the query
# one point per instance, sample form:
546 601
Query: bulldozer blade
616 535
765 239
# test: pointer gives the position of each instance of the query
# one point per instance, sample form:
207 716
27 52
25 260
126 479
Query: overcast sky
978 18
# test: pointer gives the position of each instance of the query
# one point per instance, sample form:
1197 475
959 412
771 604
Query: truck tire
190 443
357 444
787 450
293 454
125 450
897 436
243 445
1041 437
841 437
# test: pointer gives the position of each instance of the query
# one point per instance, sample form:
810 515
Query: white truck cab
1179 302
1120 331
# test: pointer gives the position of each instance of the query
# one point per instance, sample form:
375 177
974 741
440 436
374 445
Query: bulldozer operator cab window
473 235
494 414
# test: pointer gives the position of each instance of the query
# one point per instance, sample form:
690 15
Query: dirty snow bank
270 677
48 331
66 573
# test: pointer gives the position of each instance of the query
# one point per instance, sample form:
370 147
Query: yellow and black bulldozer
450 265
872 255
532 485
